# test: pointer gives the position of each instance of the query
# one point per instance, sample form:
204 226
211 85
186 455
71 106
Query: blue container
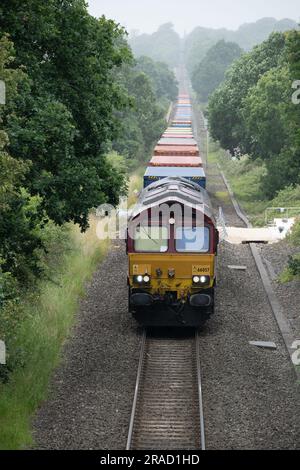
155 173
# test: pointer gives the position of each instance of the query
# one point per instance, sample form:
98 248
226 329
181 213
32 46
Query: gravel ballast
91 393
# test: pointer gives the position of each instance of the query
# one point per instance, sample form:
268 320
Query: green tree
226 123
253 110
19 217
162 78
210 72
144 122
65 118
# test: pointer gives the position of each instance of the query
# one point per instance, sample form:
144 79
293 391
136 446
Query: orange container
176 161
186 150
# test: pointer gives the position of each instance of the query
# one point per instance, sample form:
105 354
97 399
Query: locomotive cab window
192 239
152 239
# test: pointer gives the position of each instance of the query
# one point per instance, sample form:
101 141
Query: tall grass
244 176
48 318
135 185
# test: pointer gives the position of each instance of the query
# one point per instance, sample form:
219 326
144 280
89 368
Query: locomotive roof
171 190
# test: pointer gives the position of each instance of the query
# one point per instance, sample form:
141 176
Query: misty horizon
147 16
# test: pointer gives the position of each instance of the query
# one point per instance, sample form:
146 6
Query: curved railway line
167 411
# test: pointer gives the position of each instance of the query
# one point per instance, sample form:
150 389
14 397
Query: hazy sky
147 15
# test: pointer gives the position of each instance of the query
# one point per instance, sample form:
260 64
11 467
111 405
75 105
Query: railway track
167 411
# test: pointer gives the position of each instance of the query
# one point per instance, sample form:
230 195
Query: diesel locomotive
172 238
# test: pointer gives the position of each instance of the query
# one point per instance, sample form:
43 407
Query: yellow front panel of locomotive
158 266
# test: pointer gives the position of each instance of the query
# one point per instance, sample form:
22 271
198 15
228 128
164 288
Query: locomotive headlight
201 280
139 279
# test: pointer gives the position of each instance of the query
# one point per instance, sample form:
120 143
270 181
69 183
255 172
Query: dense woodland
75 97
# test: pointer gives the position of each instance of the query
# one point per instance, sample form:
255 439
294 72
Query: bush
294 265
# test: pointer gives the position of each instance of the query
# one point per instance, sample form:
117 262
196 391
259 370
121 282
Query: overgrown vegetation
47 316
245 180
292 271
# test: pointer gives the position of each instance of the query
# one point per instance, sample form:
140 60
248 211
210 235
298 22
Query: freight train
172 236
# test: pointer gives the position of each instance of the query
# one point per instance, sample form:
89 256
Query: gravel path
251 400
91 393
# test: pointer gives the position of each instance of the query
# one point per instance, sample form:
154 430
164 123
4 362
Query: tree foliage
210 72
225 104
141 125
162 78
18 215
64 117
252 110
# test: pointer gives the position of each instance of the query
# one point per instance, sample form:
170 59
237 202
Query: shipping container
155 173
176 141
187 150
177 136
181 161
174 130
183 124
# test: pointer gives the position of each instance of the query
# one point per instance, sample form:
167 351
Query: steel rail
136 391
201 410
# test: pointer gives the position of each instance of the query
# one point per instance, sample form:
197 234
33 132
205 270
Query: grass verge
244 176
48 318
